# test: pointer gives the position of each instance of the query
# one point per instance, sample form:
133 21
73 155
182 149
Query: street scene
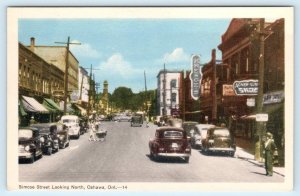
124 157
152 100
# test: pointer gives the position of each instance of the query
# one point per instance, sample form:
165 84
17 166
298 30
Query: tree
121 97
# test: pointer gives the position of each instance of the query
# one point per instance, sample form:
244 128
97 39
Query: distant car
30 146
83 124
72 122
124 118
50 141
175 122
219 139
170 142
198 135
188 127
136 121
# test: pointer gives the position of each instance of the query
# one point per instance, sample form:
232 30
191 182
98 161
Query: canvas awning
21 109
51 105
32 105
70 110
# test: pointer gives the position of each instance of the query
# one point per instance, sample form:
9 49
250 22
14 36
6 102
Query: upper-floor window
173 84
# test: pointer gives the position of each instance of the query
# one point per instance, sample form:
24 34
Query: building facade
56 55
168 89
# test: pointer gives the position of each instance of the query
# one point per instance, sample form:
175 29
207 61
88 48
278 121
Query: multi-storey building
37 81
168 89
56 55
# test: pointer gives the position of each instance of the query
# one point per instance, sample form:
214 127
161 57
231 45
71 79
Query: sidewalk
242 154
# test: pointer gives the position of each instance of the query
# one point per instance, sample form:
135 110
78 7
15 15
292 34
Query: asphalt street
124 157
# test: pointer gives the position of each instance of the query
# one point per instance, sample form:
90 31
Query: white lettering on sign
195 77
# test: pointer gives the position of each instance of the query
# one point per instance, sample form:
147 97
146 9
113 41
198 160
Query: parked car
198 135
83 124
170 142
63 135
124 118
219 139
136 121
188 127
29 144
50 141
72 122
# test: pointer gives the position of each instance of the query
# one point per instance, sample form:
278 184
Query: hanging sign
262 117
246 87
195 77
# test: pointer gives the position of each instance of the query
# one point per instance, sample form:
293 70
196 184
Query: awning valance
51 105
32 105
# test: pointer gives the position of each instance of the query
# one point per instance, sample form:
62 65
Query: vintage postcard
150 98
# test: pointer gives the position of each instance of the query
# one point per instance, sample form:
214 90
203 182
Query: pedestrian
147 121
269 149
92 131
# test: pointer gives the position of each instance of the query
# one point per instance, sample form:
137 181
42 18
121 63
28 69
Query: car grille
21 149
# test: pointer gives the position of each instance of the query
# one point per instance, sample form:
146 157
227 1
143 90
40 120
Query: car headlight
42 140
49 143
26 148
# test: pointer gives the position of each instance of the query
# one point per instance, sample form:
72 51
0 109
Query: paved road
124 157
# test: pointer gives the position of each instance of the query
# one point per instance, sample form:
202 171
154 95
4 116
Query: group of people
93 129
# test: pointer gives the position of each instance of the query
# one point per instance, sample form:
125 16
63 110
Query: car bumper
221 149
173 155
25 155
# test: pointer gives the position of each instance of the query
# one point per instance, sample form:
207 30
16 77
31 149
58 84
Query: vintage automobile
198 135
72 122
170 142
29 144
50 140
218 139
63 135
83 124
136 121
188 127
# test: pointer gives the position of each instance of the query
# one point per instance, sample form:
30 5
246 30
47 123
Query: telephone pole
66 72
259 101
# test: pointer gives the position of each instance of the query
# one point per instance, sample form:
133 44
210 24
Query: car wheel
78 136
231 154
49 151
186 159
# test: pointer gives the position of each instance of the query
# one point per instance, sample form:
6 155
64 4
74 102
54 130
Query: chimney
32 43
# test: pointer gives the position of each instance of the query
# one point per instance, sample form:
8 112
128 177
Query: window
173 84
173 97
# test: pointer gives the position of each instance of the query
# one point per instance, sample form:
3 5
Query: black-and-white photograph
137 98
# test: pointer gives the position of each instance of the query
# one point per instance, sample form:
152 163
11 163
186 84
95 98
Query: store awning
32 105
70 110
51 105
82 110
21 109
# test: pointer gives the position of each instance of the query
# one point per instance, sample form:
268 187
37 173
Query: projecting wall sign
246 87
196 77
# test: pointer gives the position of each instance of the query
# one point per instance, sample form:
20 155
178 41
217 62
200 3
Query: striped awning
32 105
51 105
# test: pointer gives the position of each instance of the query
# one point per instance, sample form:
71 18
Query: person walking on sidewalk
270 147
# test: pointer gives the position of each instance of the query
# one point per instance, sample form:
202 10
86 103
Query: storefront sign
246 87
195 77
262 117
274 97
250 102
228 90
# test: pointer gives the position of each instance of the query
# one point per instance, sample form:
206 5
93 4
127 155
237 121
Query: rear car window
173 134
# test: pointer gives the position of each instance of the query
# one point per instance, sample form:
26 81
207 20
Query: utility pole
90 91
164 91
259 101
213 89
183 95
66 72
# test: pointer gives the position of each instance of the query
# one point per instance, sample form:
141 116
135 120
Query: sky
121 50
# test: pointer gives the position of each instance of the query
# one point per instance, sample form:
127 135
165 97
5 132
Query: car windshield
25 133
221 132
172 134
69 121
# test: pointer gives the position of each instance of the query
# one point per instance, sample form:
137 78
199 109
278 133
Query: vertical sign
195 77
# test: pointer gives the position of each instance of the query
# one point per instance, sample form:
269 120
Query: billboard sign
246 87
195 76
